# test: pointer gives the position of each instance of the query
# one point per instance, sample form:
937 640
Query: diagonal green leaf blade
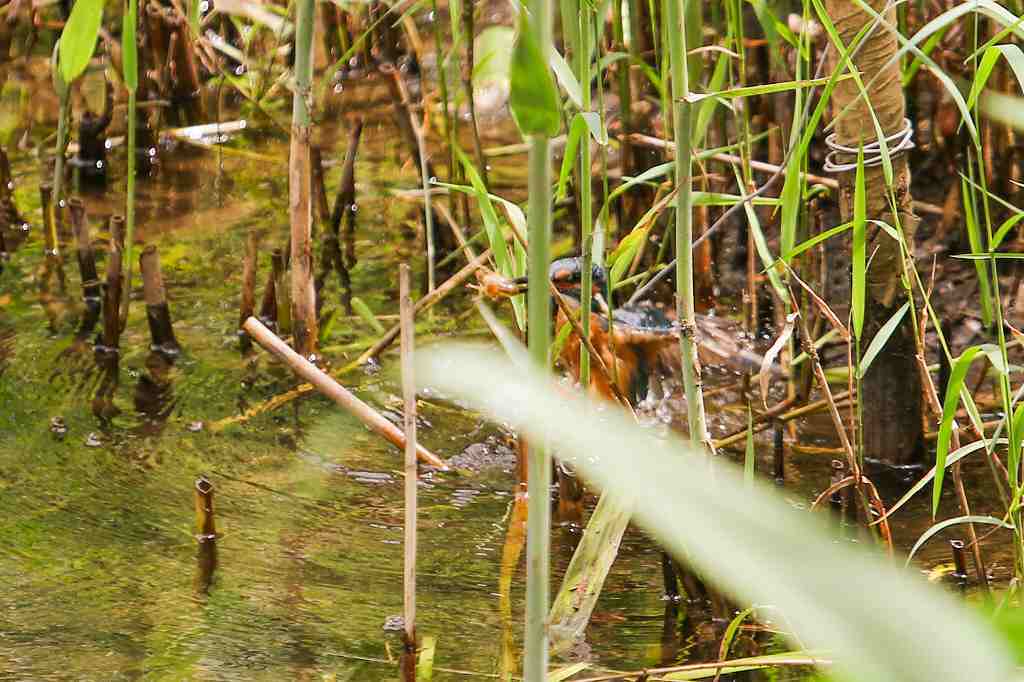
757 547
949 405
78 39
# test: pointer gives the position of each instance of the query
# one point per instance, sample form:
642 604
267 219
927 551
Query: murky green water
101 576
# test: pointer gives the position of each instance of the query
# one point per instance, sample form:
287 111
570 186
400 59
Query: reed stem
411 478
535 665
685 310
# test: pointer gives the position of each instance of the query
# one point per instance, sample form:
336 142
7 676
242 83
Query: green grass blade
974 238
943 525
881 338
859 246
815 240
949 405
129 49
533 97
364 312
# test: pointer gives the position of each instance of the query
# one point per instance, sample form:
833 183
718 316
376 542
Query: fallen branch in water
335 391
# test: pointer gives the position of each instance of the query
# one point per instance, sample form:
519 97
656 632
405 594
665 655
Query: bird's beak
522 283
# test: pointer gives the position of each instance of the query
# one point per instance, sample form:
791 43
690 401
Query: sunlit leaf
534 97
78 39
129 50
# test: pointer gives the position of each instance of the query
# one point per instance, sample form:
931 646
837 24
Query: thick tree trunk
891 397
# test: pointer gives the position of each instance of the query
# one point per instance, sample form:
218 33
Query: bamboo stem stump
158 313
335 391
86 269
206 535
206 527
411 476
112 295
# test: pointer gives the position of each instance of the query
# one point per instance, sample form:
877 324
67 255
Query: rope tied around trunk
897 143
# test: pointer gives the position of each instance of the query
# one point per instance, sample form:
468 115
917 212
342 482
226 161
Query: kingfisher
640 344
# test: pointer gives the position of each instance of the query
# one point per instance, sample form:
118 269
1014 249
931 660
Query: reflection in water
103 407
154 394
206 566
515 537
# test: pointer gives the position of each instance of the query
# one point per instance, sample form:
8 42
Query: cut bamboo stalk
86 268
112 295
161 330
206 526
411 477
335 391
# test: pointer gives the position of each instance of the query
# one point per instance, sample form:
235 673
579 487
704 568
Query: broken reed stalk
408 324
268 304
303 303
335 391
158 313
206 527
247 305
346 197
86 269
468 65
113 291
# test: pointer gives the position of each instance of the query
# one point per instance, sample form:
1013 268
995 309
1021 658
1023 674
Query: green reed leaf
78 39
860 221
949 405
533 98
